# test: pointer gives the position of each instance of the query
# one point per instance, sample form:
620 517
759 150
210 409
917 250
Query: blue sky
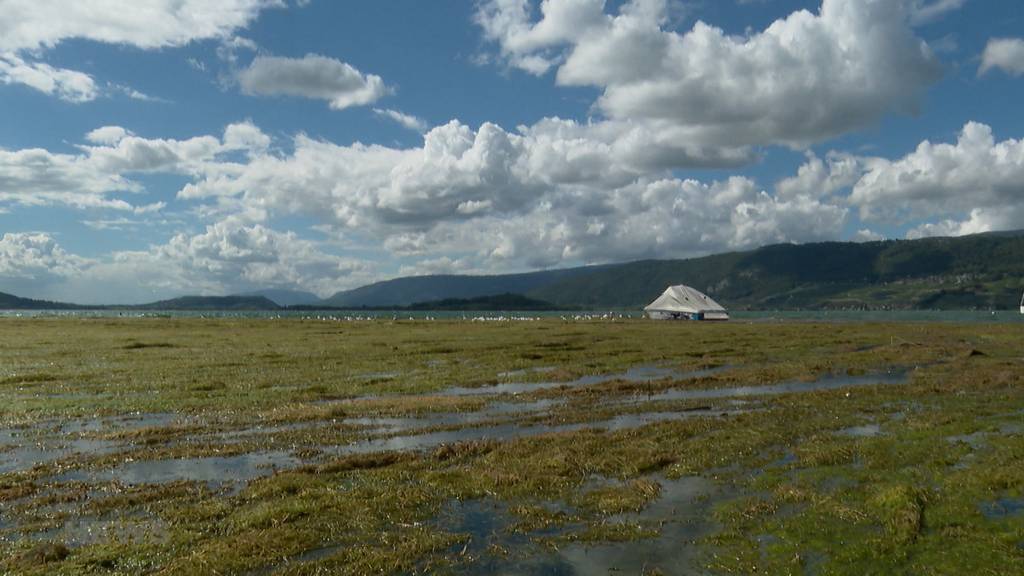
179 147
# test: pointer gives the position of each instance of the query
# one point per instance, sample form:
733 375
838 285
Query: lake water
954 316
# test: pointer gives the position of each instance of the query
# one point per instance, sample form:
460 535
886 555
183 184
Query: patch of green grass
630 497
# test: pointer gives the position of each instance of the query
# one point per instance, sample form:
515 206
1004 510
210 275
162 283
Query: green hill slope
981 271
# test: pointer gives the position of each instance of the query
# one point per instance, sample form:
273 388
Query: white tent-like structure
685 303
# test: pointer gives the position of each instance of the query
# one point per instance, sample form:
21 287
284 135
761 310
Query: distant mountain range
12 302
194 303
984 271
500 302
212 303
978 271
416 289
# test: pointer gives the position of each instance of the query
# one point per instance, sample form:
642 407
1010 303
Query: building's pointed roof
684 299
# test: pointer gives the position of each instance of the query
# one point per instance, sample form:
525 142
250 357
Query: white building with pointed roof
685 303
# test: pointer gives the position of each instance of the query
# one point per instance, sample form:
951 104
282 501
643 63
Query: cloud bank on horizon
257 150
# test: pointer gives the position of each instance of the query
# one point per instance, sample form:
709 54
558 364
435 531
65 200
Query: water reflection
645 373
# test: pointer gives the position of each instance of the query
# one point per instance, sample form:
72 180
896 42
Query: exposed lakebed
558 447
63 453
78 440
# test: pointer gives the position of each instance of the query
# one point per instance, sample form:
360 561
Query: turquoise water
316 315
955 316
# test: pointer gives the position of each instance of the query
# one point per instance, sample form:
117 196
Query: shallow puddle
505 408
976 440
511 431
235 436
681 513
832 382
1002 508
20 457
635 374
215 471
525 371
788 458
84 531
305 557
487 523
398 434
865 431
24 448
121 423
379 375
491 411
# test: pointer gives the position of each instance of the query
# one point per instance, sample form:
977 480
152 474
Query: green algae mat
260 446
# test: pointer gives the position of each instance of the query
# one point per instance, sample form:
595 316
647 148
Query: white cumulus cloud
973 185
458 173
36 256
27 29
229 256
94 176
312 76
805 78
108 135
405 120
667 218
144 24
925 11
556 193
818 177
232 256
68 85
1007 54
